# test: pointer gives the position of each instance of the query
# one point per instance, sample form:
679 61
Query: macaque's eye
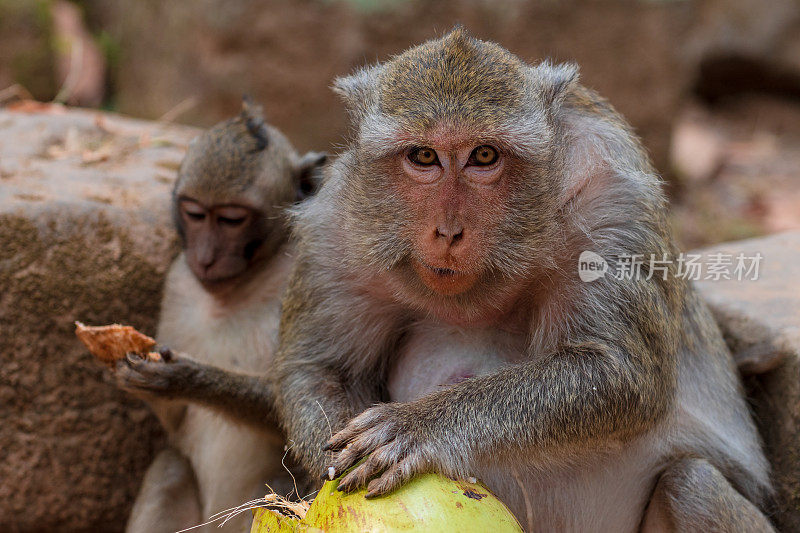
423 156
231 221
193 211
232 216
483 156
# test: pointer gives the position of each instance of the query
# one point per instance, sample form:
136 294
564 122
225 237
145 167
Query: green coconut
430 502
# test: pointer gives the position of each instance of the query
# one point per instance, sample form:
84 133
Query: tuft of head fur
253 117
455 78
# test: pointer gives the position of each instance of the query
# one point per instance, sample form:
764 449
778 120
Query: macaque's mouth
444 280
214 282
440 271
443 271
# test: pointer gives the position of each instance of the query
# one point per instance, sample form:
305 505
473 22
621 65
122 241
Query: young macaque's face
221 241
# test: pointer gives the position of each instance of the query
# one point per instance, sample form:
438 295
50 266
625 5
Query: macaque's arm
245 397
586 392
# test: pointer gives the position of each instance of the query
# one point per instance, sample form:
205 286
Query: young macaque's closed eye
232 216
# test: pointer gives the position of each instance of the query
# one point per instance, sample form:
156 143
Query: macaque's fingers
344 436
341 439
128 377
136 374
133 359
353 428
376 463
358 448
394 477
346 458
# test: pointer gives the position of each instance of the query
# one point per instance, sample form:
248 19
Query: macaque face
221 241
454 194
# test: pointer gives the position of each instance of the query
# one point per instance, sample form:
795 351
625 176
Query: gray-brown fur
585 392
246 159
213 395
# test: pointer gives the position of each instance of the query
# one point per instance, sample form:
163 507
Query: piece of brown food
111 343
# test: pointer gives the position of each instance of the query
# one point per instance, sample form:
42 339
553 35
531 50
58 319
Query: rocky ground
737 169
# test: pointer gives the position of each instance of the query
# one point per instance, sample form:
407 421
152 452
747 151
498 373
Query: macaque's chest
242 337
435 355
244 340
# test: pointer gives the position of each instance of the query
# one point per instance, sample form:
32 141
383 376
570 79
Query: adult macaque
221 306
435 317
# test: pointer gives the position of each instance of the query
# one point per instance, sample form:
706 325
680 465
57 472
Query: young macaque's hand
166 377
394 442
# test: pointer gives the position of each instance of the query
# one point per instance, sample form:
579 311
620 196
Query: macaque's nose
206 253
449 233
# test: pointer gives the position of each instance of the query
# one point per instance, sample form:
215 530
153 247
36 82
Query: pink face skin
216 237
456 191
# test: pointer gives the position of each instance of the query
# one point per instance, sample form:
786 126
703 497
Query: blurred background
713 86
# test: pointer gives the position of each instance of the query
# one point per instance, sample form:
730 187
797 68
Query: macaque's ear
309 175
555 81
359 90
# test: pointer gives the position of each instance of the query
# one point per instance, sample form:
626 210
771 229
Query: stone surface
762 318
85 234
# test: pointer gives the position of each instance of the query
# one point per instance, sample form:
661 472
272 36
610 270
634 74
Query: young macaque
221 306
436 321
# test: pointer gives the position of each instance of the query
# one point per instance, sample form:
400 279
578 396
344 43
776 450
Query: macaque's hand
396 444
167 377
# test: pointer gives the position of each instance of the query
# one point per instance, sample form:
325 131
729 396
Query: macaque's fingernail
327 447
331 473
471 480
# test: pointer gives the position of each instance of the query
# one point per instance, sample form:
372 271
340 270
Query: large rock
760 319
85 234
